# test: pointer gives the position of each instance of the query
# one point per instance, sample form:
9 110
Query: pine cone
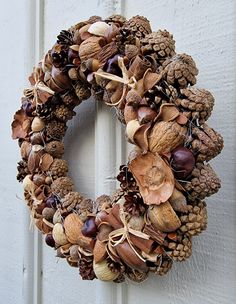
22 168
195 221
181 249
161 43
204 182
65 38
135 275
117 19
199 102
45 110
103 202
84 208
126 179
62 186
161 93
134 204
117 195
63 113
138 26
55 130
94 19
71 201
70 99
58 168
82 91
180 70
55 148
165 265
206 143
115 266
86 267
59 55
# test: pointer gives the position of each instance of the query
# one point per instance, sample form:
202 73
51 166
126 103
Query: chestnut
49 240
89 228
52 201
182 162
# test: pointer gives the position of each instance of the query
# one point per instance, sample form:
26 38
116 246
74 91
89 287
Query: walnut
55 148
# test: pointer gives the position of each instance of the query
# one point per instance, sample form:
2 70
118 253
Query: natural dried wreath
150 221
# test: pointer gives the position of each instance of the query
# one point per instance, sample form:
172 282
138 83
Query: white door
29 271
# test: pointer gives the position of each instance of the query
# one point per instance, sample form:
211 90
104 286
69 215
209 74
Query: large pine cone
138 26
126 179
161 43
199 102
180 70
204 182
45 110
195 221
165 265
206 143
181 249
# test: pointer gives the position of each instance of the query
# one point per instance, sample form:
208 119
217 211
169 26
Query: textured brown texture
161 43
206 143
204 182
55 148
63 113
195 221
71 200
58 168
164 266
55 130
62 186
181 249
138 26
199 102
180 70
118 19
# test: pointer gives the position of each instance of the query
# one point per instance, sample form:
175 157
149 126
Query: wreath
149 222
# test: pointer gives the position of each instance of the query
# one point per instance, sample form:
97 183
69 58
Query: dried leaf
20 125
45 162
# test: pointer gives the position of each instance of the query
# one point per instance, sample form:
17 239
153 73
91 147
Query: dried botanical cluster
149 222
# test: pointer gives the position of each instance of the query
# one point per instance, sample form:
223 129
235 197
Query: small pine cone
126 179
63 113
204 182
161 43
55 148
70 99
71 201
195 221
94 19
117 19
206 143
82 91
58 168
103 202
181 249
165 265
115 266
134 204
199 102
65 38
45 110
22 168
161 93
55 130
85 208
85 265
62 186
138 26
180 70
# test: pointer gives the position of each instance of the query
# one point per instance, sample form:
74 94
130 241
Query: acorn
49 240
182 162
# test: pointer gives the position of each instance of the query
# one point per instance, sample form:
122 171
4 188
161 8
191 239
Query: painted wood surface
29 271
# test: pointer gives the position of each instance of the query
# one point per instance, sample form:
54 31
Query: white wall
29 272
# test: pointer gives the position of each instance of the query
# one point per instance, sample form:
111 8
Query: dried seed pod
198 102
163 217
55 148
206 143
116 18
100 253
37 124
71 200
165 136
59 234
181 249
103 272
63 113
82 91
180 70
164 266
61 186
90 47
161 43
55 130
58 168
25 150
195 221
204 182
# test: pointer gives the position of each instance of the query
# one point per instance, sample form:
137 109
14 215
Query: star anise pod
134 204
126 179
